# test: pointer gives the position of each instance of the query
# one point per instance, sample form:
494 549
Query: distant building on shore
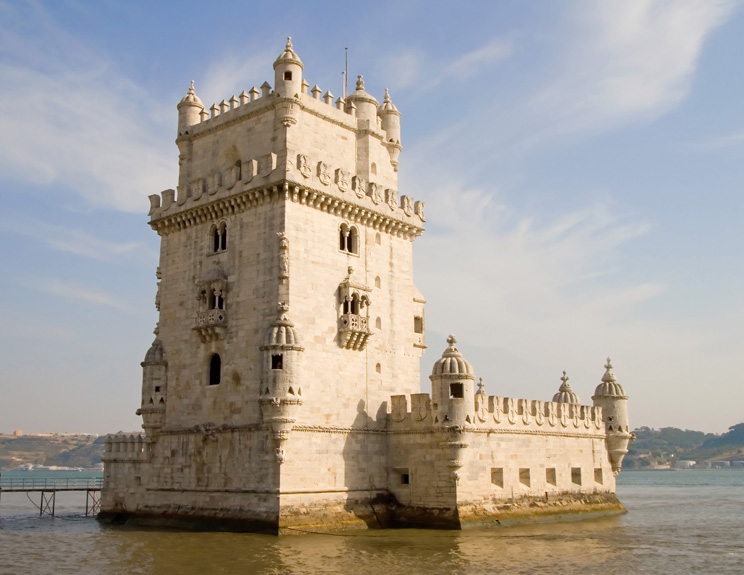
282 388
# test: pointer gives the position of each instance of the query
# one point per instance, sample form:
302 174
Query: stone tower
276 392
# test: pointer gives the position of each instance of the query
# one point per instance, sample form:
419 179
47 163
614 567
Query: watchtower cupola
610 396
189 109
288 72
366 104
453 388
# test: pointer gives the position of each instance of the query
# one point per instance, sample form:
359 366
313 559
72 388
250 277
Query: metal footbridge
47 488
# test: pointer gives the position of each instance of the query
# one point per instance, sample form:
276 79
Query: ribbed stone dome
156 353
387 104
191 97
288 56
282 332
565 393
452 362
609 386
361 95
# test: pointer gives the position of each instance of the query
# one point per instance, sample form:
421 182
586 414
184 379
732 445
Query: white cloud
81 293
72 120
627 61
72 241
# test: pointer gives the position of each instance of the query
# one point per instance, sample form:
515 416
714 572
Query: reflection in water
671 528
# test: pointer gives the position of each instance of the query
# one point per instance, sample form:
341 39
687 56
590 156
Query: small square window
457 391
405 479
497 476
277 361
287 75
157 389
576 475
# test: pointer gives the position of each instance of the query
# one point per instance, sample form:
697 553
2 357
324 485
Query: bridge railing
51 483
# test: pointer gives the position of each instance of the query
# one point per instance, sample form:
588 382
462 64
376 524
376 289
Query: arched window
215 369
216 301
219 238
348 239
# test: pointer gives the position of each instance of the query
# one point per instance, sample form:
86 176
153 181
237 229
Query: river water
677 522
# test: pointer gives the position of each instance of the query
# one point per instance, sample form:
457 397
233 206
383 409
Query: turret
281 392
189 111
565 393
452 388
366 104
611 397
390 119
154 388
288 72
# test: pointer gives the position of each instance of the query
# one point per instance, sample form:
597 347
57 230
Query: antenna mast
345 90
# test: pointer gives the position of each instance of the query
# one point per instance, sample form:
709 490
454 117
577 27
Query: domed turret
565 393
154 380
610 396
189 110
288 72
452 383
281 392
390 117
366 104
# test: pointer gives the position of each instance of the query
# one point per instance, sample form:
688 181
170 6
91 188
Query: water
678 522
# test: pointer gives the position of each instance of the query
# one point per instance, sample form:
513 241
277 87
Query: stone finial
282 307
316 92
289 43
328 97
360 82
608 376
481 386
233 102
565 393
244 99
451 340
564 385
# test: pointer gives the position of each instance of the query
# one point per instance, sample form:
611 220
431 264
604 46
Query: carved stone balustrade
354 331
211 324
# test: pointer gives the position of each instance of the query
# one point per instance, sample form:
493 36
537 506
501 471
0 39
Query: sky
582 165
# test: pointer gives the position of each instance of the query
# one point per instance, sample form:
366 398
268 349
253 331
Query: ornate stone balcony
354 331
211 324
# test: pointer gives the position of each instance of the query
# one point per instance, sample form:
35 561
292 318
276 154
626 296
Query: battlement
125 448
498 413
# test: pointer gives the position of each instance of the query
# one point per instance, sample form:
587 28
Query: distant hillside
59 450
662 447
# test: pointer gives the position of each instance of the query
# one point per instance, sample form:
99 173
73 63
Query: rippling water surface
678 522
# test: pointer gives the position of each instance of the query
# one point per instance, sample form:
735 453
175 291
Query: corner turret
452 387
390 120
189 111
565 393
154 387
288 72
611 397
366 104
281 394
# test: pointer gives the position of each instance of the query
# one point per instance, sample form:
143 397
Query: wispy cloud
84 127
81 293
71 240
627 61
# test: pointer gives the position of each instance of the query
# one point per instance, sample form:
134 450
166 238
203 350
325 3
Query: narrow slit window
215 370
405 478
418 324
576 475
598 479
497 477
550 476
524 476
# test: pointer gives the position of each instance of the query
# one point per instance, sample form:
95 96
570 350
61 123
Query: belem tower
281 391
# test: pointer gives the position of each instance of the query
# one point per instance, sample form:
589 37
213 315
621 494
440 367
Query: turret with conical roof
610 396
390 117
453 388
154 388
288 72
366 104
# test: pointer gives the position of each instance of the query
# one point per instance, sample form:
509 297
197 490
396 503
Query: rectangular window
497 477
524 476
405 478
157 389
598 476
277 361
457 391
418 324
576 475
550 477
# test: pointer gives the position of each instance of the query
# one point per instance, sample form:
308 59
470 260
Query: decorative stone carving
420 405
283 255
214 182
267 164
399 407
303 165
391 198
375 192
418 209
498 409
407 205
360 186
342 180
324 173
197 188
250 169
